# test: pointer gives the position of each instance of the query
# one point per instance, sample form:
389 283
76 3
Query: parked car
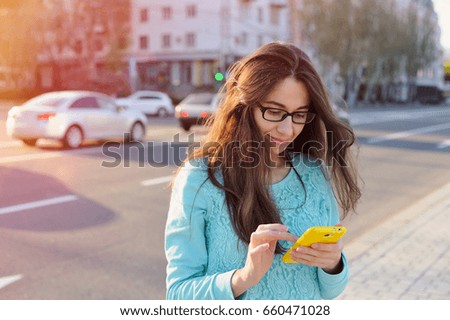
429 94
148 102
196 108
73 117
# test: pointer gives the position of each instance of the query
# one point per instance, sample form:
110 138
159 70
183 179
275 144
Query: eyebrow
284 107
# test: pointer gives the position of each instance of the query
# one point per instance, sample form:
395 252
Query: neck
280 162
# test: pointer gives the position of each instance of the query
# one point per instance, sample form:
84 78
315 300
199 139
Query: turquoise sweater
203 251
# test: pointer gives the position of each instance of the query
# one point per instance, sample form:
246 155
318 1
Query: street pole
294 25
223 35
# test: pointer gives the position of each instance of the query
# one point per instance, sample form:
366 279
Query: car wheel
30 142
73 137
162 113
186 126
137 132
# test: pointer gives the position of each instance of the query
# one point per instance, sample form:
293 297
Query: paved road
73 228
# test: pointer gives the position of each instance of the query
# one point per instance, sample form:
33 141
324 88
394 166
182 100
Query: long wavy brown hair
233 145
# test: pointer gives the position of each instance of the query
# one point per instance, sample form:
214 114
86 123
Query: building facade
178 46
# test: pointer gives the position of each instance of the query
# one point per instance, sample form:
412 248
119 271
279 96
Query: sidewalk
405 257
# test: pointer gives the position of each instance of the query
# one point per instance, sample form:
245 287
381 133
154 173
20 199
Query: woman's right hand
260 255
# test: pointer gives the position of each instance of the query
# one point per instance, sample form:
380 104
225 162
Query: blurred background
370 51
80 219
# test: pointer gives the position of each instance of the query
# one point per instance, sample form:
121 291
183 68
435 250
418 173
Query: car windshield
45 100
199 99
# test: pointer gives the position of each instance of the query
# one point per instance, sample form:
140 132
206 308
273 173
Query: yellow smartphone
316 234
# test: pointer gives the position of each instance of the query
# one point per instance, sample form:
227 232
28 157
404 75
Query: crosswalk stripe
444 144
408 133
6 281
156 181
38 204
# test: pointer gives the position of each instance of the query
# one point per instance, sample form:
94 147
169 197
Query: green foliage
382 37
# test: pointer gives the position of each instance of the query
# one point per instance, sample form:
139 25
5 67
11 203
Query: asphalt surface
75 226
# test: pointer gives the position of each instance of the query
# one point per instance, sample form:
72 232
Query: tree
72 38
85 31
371 41
17 53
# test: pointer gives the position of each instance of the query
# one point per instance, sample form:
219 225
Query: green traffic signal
219 76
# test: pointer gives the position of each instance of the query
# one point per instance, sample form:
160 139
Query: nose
286 127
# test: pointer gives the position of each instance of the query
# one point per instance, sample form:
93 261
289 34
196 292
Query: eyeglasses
278 115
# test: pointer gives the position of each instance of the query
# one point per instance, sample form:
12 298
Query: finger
272 226
308 251
331 255
328 247
260 249
311 260
315 257
271 235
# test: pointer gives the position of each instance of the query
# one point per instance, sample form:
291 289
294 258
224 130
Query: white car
72 117
148 102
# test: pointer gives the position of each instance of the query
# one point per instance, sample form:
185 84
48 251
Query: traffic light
219 76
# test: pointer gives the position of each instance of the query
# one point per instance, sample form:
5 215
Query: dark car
196 108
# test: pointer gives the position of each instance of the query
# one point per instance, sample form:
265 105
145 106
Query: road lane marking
443 144
25 157
46 155
389 116
57 154
6 281
156 181
38 204
408 133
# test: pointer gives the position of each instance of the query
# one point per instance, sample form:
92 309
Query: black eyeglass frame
286 114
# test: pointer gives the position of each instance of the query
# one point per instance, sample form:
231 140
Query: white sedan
73 117
154 103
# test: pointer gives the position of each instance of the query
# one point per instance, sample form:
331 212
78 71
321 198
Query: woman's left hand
323 255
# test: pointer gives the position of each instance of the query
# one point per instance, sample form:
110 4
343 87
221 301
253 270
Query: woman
258 183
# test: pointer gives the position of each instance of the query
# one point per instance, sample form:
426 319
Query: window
79 46
260 15
166 41
105 104
244 38
274 15
123 42
143 42
2 80
191 11
260 40
244 11
144 15
149 98
85 103
199 98
98 43
190 39
167 13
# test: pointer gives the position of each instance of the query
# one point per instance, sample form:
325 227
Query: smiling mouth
279 140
